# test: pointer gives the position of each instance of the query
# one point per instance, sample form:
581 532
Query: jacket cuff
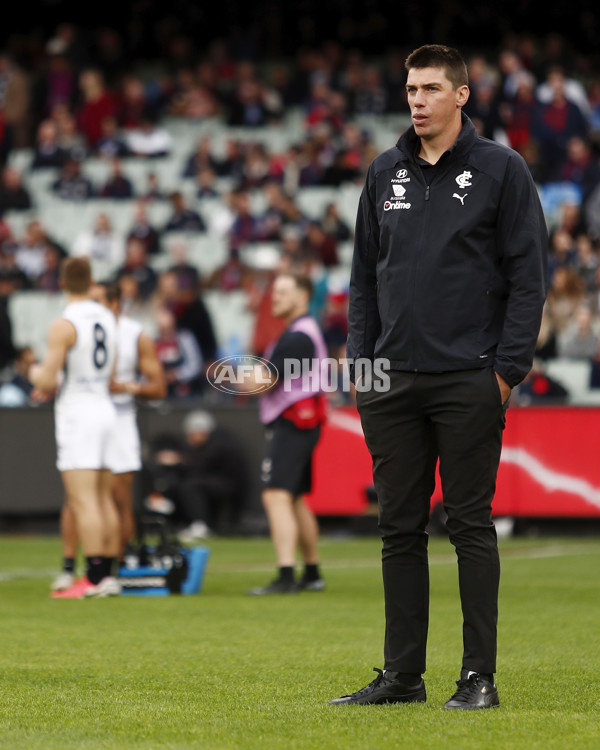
513 375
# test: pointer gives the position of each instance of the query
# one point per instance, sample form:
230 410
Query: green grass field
224 670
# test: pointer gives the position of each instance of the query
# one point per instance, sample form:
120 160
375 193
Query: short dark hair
301 280
76 275
22 350
440 56
112 290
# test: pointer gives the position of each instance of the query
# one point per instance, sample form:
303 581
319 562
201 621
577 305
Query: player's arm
61 337
154 384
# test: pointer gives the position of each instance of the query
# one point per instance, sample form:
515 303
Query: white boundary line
506 556
450 559
26 574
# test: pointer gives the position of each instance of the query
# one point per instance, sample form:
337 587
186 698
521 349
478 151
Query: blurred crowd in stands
73 96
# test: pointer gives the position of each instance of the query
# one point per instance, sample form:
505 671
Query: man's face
433 101
165 320
98 294
136 253
168 457
286 297
197 438
103 223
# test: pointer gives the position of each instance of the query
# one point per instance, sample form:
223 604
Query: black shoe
474 692
308 584
276 587
385 688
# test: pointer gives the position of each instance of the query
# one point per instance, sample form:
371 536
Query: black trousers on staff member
458 417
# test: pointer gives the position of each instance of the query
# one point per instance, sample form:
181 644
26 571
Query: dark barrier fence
549 467
30 483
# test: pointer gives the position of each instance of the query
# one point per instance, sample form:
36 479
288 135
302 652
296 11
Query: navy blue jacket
449 275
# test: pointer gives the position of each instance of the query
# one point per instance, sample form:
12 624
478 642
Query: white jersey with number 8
90 362
84 411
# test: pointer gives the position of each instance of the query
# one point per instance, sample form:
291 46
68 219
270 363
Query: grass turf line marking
26 573
449 559
548 552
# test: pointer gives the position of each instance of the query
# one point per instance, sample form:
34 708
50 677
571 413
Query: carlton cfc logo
464 180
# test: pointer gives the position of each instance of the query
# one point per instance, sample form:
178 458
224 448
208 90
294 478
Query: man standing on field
81 352
448 284
138 375
292 417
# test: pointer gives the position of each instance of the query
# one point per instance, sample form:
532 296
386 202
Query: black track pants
457 417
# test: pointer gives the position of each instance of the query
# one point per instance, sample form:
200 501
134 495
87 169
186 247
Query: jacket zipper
417 264
438 177
415 271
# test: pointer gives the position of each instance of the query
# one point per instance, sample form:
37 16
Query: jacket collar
408 142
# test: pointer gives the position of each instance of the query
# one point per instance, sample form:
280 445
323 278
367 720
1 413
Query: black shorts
288 461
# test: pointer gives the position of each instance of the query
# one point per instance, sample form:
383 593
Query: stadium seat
64 220
347 202
261 255
232 319
345 251
554 194
96 170
39 183
572 374
168 171
18 221
338 279
313 200
137 170
158 213
20 159
31 313
204 251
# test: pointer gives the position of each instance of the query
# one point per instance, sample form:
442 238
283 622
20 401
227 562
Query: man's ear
462 96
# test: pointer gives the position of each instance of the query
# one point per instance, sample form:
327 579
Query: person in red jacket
97 104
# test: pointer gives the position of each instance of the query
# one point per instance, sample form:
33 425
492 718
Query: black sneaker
385 688
276 587
314 584
474 692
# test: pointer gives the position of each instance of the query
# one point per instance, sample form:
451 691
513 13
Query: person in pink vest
292 411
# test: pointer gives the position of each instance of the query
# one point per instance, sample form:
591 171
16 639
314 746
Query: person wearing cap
213 490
